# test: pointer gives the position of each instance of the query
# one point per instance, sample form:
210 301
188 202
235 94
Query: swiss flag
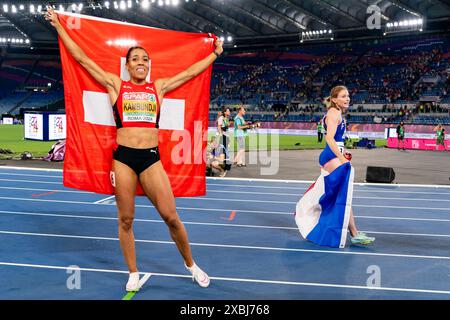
91 130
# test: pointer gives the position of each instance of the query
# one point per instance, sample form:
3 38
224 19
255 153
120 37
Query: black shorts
136 159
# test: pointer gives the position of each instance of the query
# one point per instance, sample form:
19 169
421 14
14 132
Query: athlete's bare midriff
139 138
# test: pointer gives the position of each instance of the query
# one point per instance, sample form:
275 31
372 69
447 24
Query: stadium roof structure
244 24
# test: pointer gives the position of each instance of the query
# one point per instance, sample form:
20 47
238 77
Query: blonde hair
333 94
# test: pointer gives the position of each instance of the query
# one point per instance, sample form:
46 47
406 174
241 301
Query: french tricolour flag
323 213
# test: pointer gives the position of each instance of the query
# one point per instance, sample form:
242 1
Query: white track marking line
144 279
31 181
103 200
204 209
29 175
242 192
226 199
209 223
39 189
231 246
301 190
265 180
245 280
223 210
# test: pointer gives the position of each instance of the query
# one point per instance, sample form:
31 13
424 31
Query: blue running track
242 233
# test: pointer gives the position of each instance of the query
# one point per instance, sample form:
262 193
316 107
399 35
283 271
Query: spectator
216 155
401 135
320 131
440 137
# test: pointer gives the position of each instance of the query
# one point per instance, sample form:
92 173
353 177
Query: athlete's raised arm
165 85
109 80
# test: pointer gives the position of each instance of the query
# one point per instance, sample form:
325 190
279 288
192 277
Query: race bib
341 147
139 107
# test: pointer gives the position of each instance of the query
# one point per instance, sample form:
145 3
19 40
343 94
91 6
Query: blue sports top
327 154
340 131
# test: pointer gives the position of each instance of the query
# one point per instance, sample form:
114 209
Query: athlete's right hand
51 16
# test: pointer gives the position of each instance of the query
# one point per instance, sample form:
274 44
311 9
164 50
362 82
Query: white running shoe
133 282
198 275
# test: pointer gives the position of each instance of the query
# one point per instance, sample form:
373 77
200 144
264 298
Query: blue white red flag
323 213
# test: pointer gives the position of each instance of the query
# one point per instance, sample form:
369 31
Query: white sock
191 269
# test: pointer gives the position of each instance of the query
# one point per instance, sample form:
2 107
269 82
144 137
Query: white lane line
301 190
227 199
245 280
400 207
403 218
206 223
325 251
29 169
227 210
206 198
267 180
104 200
223 210
311 181
30 175
31 181
142 205
145 220
410 234
40 189
144 279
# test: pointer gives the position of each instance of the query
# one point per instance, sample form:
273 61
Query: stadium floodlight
13 9
324 34
410 25
145 4
21 7
39 8
106 4
32 9
27 41
61 8
116 6
129 4
175 2
80 6
229 38
5 8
